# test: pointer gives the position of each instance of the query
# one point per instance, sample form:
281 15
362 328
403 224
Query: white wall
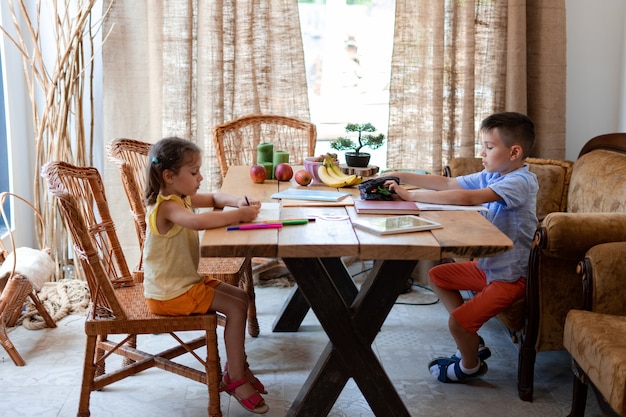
596 72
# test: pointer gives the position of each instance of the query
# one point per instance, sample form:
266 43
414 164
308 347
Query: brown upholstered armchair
596 336
596 213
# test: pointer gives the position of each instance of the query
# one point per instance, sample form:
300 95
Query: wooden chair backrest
236 141
131 158
84 207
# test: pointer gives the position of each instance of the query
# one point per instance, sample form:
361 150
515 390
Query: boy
509 190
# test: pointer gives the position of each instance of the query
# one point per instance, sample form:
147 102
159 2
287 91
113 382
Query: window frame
19 132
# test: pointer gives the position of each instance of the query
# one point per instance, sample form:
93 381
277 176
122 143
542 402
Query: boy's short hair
514 129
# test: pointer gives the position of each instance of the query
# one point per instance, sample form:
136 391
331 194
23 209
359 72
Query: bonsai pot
359 160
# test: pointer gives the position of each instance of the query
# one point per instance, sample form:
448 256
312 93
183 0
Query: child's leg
447 280
465 321
468 318
233 303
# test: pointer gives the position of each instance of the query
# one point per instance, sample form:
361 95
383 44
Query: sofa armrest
570 235
603 273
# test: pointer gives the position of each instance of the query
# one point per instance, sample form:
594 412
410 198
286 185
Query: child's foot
245 394
450 370
483 351
258 385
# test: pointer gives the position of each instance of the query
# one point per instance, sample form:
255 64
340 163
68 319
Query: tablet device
395 224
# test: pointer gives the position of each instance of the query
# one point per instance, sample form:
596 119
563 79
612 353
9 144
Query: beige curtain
454 63
180 67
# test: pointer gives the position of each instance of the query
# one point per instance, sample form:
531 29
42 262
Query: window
347 53
4 153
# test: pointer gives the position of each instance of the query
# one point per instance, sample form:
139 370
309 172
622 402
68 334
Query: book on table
406 207
385 207
395 224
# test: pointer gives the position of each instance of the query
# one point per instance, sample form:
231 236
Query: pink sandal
258 385
254 403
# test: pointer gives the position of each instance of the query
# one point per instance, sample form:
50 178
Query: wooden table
351 317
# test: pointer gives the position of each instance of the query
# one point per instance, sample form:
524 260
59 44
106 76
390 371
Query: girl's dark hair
168 153
514 129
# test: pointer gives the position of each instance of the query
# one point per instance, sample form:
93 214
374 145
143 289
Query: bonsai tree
363 140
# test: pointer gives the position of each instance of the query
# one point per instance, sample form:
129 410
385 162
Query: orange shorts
197 300
488 301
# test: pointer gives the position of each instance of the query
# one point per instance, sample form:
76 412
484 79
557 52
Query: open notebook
313 195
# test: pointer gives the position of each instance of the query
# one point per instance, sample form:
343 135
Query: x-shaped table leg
351 326
296 306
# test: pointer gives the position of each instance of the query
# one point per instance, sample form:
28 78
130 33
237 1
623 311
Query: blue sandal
484 352
444 363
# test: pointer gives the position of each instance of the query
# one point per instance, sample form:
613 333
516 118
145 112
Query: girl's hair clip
155 160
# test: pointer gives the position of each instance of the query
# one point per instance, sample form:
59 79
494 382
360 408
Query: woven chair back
131 158
81 197
236 141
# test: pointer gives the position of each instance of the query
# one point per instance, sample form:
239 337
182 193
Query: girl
171 253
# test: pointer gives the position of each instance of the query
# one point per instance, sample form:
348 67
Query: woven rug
62 298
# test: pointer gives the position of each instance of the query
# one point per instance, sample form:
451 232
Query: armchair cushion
600 350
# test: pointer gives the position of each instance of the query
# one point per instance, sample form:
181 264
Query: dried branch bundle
57 87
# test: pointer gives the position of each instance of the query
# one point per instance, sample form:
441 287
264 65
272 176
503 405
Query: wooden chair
131 158
16 289
236 142
117 305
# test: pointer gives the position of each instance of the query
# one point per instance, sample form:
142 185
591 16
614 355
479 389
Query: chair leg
132 343
525 372
579 392
42 310
213 373
248 286
10 348
89 373
11 301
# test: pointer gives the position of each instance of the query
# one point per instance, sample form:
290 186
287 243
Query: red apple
303 177
257 173
283 172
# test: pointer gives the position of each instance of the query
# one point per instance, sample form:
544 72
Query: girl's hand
248 213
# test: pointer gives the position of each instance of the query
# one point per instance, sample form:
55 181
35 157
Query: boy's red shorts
488 300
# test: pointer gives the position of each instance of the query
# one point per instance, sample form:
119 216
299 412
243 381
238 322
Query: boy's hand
395 188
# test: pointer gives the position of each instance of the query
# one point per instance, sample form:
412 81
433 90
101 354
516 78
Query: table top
464 233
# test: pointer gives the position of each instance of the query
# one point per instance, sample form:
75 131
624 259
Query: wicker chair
117 305
16 289
236 141
130 156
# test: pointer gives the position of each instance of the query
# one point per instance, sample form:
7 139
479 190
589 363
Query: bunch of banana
333 176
